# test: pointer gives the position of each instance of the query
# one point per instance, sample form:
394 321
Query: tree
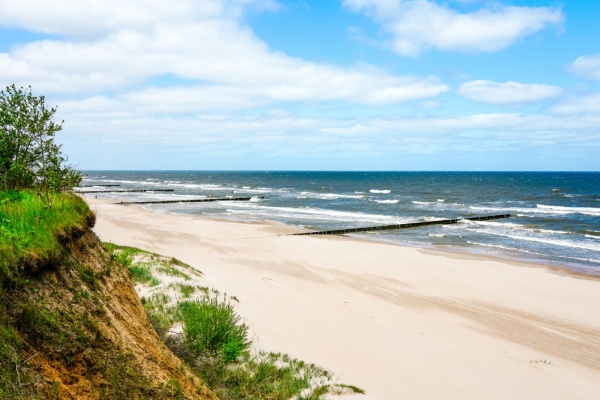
29 158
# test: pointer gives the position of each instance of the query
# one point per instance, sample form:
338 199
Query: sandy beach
397 322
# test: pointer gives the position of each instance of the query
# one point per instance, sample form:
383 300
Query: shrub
212 327
29 158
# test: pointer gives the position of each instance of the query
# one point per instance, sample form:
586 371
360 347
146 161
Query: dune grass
31 230
203 329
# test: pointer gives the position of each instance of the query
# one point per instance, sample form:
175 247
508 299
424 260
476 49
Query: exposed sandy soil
109 348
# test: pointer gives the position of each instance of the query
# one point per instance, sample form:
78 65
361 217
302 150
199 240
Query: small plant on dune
212 327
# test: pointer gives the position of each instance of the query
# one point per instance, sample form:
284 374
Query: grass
204 330
172 271
161 314
186 290
31 232
212 328
53 295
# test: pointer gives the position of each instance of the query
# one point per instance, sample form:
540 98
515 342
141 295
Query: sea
555 216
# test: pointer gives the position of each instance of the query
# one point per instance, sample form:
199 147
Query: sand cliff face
83 333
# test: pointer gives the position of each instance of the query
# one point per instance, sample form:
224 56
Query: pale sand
401 323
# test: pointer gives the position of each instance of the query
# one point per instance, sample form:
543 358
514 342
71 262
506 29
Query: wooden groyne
190 201
402 226
126 191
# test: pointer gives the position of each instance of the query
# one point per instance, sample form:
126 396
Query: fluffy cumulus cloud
507 92
94 18
587 67
115 46
417 25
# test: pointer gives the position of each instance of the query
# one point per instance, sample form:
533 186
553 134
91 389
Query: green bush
212 327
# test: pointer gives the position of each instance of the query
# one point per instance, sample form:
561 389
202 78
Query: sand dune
398 322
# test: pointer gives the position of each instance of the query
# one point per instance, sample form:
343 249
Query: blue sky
313 85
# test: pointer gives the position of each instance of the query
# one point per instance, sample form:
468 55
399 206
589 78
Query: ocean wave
545 240
387 201
541 209
315 214
382 191
439 235
120 181
203 186
252 191
515 226
571 210
499 246
327 196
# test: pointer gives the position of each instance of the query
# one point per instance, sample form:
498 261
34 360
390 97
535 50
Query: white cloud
93 18
421 24
587 66
508 92
119 50
589 104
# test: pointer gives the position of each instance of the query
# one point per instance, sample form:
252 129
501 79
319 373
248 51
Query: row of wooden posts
325 232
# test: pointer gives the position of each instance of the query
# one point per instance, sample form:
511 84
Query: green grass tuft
213 327
31 231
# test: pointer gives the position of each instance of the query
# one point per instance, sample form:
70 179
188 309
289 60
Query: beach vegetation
212 327
204 330
187 290
53 312
31 234
170 270
29 157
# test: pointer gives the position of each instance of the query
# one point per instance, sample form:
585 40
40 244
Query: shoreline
512 257
395 321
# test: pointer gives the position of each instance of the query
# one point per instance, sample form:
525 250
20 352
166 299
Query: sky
313 84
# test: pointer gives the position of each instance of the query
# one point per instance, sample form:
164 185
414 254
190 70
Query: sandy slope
397 322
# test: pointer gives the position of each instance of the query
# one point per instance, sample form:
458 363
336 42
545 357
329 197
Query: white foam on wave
545 240
571 210
387 201
327 196
313 214
252 191
121 181
440 235
499 246
382 191
424 203
442 205
203 186
542 209
514 226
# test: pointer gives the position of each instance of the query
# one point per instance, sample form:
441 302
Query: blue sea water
555 215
